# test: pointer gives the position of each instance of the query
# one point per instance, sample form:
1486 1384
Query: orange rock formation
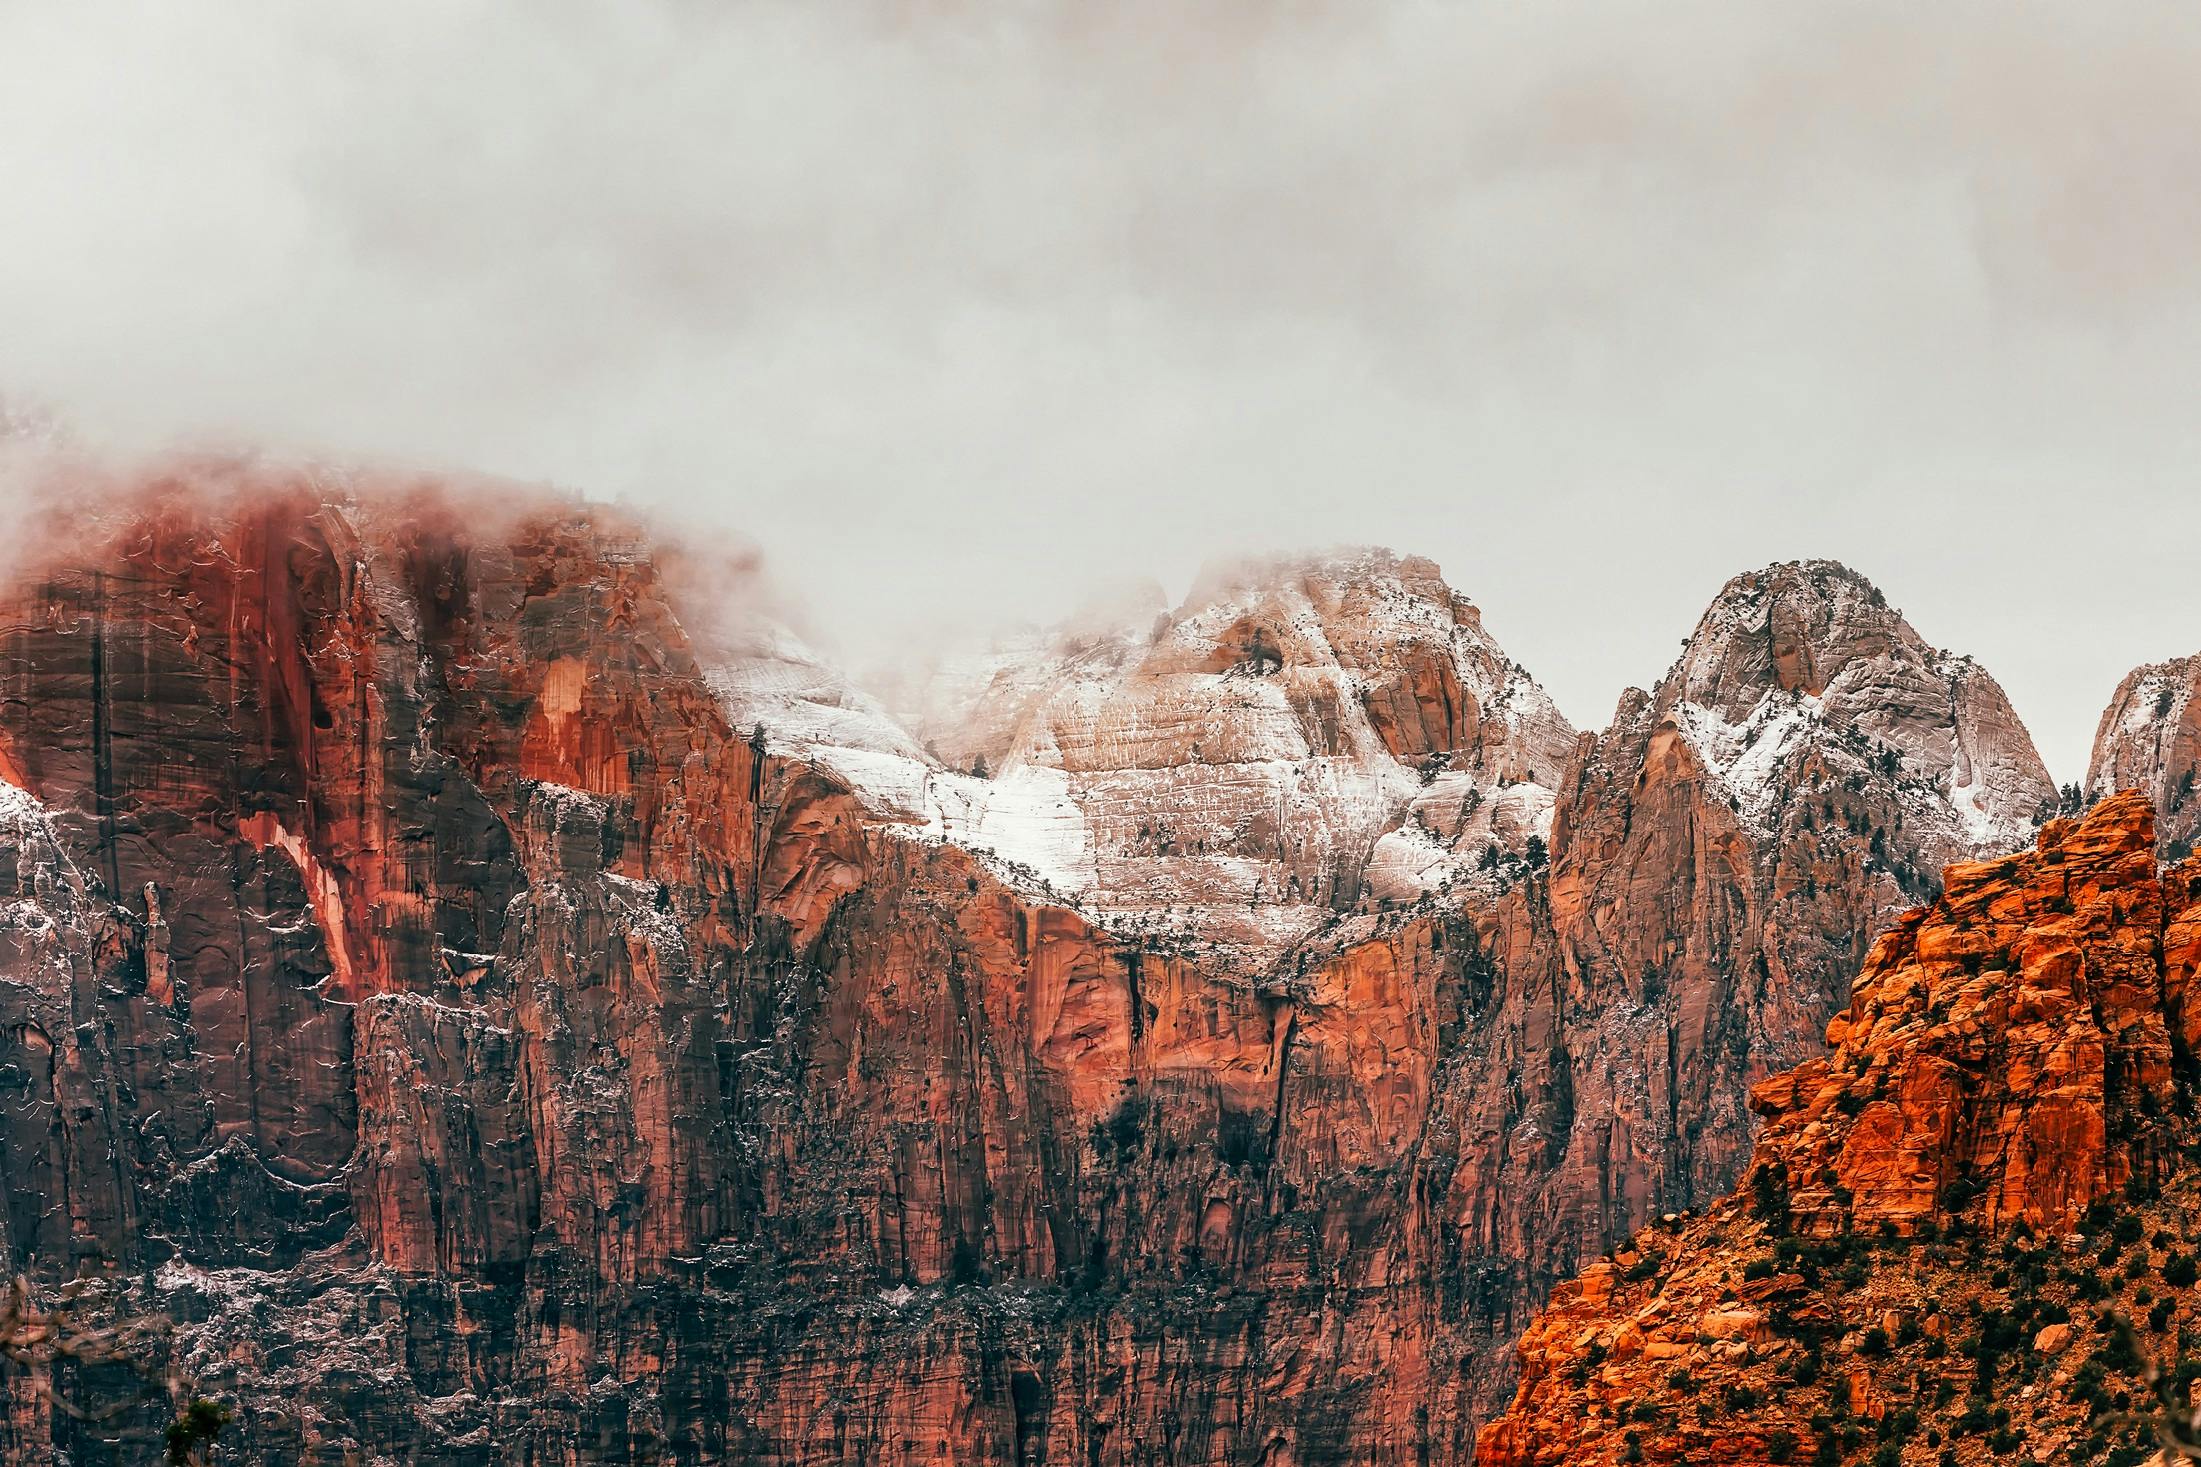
2007 1074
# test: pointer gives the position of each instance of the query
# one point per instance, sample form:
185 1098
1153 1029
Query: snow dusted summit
1304 738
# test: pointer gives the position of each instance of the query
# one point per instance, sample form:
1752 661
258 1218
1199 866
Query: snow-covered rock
2150 739
1805 662
768 678
1304 737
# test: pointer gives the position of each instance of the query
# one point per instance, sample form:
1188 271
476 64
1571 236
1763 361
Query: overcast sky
962 310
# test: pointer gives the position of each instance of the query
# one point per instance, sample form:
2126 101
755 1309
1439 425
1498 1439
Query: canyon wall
427 980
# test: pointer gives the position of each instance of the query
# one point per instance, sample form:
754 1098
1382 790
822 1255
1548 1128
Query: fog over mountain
959 311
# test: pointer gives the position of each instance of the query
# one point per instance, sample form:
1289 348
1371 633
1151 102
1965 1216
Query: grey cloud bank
961 311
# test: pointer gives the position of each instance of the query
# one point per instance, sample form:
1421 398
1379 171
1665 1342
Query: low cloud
959 309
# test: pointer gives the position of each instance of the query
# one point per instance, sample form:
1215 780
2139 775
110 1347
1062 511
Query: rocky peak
1805 663
1795 626
1429 678
1723 857
2150 739
1303 738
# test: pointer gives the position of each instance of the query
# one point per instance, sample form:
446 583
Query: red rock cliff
416 986
417 989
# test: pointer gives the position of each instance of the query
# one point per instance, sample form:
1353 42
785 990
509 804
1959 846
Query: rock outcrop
2150 739
1808 660
1916 1264
424 985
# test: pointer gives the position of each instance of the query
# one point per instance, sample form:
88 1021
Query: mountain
1722 857
1302 739
464 996
1968 1230
2150 739
1805 664
437 1030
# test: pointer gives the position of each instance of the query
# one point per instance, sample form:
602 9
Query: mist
963 313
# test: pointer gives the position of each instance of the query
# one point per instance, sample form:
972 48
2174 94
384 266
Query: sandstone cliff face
418 989
2000 1102
422 981
2150 739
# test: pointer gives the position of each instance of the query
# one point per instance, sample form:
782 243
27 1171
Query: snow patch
1750 759
20 810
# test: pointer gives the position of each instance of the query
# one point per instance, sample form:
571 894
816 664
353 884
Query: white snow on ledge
19 807
1748 759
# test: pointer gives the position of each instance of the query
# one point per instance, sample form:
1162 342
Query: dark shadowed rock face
413 985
